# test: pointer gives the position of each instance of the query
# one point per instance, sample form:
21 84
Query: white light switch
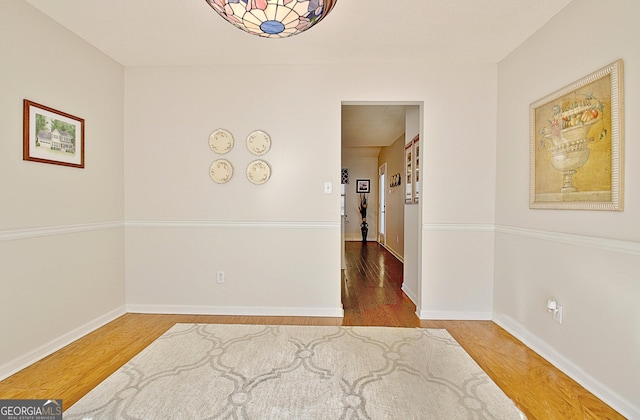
328 187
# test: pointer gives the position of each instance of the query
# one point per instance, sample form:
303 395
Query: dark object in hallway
364 228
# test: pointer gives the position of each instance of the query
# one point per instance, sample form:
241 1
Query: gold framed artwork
576 139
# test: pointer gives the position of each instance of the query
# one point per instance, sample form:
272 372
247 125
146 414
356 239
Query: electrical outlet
557 314
220 277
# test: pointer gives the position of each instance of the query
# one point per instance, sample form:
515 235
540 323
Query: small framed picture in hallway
363 186
408 167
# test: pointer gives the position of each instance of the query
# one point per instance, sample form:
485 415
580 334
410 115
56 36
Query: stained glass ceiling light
273 18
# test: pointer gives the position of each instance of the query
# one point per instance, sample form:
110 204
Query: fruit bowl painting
576 144
569 137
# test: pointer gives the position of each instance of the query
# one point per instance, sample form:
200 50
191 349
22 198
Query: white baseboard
618 403
410 294
455 315
236 310
41 352
394 253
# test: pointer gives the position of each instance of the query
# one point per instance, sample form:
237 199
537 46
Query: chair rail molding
16 234
598 242
231 224
609 244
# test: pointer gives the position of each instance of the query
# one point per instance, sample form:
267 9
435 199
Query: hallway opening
374 137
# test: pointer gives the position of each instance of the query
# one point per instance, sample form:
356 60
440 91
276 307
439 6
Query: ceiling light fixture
273 18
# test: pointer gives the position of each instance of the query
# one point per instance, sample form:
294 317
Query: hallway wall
393 156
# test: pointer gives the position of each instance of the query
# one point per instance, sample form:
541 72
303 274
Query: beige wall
588 260
61 228
172 110
455 218
393 156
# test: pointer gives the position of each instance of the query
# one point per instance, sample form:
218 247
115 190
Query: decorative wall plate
258 172
221 171
258 142
221 141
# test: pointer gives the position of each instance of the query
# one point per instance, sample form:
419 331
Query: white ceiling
189 32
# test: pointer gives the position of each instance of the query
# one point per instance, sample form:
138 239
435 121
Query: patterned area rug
210 371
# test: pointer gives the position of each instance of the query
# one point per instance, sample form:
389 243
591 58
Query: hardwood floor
371 288
371 296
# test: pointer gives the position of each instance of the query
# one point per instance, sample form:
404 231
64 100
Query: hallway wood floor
371 296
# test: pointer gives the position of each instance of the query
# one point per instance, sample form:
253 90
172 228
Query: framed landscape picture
52 136
576 154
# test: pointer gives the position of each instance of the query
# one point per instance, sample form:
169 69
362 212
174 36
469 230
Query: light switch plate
328 187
